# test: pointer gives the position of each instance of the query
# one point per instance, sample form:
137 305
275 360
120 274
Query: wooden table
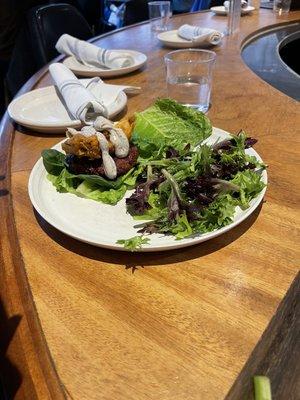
82 322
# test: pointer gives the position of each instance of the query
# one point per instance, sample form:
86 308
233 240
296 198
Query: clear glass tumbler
189 77
234 16
281 6
159 14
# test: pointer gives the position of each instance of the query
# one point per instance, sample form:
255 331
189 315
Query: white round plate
83 70
43 110
221 10
171 39
101 224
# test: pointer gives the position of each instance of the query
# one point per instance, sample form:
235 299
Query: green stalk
262 388
173 183
149 172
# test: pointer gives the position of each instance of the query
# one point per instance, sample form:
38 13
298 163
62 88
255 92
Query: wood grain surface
98 324
277 353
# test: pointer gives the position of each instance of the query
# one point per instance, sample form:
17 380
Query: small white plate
83 70
221 10
171 39
43 110
101 224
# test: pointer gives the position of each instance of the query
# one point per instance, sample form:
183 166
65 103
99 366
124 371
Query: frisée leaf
250 185
133 244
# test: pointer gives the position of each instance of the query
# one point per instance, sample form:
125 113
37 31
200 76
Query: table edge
27 350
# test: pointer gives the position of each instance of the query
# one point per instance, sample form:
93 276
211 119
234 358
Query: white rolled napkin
80 102
226 4
107 93
86 99
200 35
91 55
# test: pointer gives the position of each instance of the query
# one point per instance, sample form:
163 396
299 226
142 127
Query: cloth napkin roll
86 99
91 55
200 35
81 103
105 92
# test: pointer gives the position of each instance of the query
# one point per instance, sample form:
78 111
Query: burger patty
83 165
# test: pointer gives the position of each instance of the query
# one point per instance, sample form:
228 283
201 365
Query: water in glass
192 91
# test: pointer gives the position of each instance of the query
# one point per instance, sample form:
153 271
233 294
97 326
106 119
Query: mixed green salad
181 186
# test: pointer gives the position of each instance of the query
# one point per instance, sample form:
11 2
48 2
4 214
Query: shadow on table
31 132
135 260
10 377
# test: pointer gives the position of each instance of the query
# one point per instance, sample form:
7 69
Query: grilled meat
84 165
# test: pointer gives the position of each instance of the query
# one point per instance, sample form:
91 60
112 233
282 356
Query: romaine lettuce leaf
66 182
110 196
63 182
94 187
168 123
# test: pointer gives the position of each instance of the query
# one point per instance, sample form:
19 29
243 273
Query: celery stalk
262 388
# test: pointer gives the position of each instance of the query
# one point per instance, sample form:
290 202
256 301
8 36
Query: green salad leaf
168 123
133 244
197 191
54 161
92 187
182 228
107 196
218 214
250 185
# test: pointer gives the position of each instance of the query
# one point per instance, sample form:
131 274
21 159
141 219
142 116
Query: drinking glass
189 77
159 14
234 16
281 6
